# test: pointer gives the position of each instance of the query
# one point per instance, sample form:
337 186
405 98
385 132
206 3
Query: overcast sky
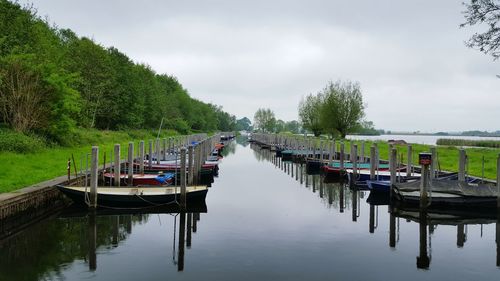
409 57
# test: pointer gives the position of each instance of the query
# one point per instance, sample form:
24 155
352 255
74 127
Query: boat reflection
75 236
337 194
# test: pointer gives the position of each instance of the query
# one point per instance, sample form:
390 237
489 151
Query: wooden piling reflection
392 230
460 235
182 237
423 260
92 232
354 205
371 224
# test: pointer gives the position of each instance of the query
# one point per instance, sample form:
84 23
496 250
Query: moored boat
128 197
144 179
448 194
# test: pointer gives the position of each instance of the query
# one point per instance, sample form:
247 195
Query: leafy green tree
342 109
292 126
279 126
310 113
264 120
52 81
243 124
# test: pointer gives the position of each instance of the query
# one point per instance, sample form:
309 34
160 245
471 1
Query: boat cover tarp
452 187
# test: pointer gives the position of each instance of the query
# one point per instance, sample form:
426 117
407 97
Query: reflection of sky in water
263 224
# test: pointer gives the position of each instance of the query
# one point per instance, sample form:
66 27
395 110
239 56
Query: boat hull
127 197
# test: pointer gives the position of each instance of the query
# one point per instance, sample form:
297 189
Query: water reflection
338 195
80 238
269 220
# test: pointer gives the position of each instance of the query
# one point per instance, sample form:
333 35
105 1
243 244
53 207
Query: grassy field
447 156
24 169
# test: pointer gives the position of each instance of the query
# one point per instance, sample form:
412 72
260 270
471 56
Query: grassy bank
447 156
477 143
43 161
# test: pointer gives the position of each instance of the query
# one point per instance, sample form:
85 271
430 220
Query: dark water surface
264 222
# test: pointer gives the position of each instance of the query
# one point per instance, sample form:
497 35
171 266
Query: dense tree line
53 81
265 121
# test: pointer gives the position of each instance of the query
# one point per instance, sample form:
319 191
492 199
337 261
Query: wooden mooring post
498 186
425 160
190 165
393 167
409 167
362 153
183 178
116 165
341 156
372 162
462 158
157 148
150 156
354 159
141 157
130 163
94 166
432 173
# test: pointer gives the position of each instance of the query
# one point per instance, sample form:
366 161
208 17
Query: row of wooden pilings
192 157
326 151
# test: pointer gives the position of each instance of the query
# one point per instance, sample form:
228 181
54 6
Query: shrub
13 141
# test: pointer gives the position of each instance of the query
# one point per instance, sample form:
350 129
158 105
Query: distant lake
419 139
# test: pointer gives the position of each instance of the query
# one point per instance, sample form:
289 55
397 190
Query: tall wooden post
94 176
141 157
498 186
362 153
150 158
354 157
157 148
341 156
130 163
424 182
432 173
392 166
164 149
183 178
116 165
190 165
372 162
409 167
462 158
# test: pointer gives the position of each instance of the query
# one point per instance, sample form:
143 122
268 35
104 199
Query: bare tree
21 97
484 13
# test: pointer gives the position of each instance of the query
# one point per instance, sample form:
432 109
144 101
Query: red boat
146 179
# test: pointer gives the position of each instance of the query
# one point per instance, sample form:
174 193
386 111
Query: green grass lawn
20 170
447 156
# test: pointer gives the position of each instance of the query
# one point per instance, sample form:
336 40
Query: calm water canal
263 222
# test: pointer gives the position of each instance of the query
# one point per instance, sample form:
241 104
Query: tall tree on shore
310 113
264 120
342 109
484 13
